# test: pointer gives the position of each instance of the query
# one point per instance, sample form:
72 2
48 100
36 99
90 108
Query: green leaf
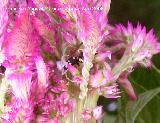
133 108
109 118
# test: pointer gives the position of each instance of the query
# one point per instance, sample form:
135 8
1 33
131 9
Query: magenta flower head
138 42
139 46
22 58
23 81
19 50
101 78
97 112
3 19
3 25
87 115
22 52
42 72
98 79
59 57
18 44
111 91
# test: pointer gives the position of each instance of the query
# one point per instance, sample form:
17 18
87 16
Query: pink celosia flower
22 41
64 104
140 39
110 91
3 25
137 42
98 79
20 47
90 34
45 87
42 72
44 30
101 14
102 77
77 79
22 58
41 119
108 75
23 82
87 114
73 70
125 83
97 112
3 20
19 112
59 88
69 38
102 56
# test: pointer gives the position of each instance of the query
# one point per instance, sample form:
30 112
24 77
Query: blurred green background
147 12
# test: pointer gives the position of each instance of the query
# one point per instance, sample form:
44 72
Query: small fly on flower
75 60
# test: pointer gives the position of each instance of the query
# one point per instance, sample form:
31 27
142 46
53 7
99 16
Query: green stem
90 102
155 68
3 90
